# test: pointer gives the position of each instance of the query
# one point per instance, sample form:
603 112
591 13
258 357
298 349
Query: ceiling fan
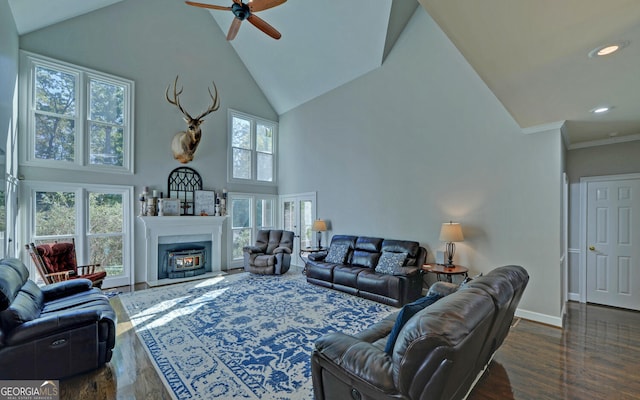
246 11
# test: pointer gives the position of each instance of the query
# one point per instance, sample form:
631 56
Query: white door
613 248
298 213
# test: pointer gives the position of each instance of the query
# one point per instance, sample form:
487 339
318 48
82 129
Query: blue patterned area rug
242 336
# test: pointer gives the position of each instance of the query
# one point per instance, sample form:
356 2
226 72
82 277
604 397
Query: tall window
96 216
76 117
249 213
252 153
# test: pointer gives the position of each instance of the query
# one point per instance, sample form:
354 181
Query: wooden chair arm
57 277
89 269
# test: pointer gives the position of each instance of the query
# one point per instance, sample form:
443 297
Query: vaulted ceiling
533 54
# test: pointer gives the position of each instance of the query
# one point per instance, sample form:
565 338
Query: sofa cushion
22 309
402 246
391 263
10 283
58 257
337 253
264 260
380 284
365 258
370 244
405 314
346 275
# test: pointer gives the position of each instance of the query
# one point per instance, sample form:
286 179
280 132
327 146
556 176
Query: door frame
313 196
583 223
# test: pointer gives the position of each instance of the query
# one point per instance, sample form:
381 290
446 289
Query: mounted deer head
185 143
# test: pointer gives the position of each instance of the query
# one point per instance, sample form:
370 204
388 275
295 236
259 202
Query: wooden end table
446 271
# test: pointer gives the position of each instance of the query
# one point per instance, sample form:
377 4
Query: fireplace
180 233
183 260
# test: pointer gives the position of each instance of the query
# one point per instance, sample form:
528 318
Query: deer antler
215 102
176 98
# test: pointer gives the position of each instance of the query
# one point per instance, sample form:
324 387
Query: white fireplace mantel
157 228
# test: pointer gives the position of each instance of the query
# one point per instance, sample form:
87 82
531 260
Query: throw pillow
408 311
337 253
391 263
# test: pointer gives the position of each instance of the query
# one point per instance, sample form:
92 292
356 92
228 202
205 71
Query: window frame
254 121
253 198
81 229
83 76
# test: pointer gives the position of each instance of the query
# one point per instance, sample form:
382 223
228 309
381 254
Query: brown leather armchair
271 254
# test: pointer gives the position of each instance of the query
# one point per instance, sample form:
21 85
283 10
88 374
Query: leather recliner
52 332
439 353
271 253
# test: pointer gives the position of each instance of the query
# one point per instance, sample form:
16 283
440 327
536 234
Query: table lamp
319 226
451 232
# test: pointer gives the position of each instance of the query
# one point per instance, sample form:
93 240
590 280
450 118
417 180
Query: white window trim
253 197
254 163
28 61
28 189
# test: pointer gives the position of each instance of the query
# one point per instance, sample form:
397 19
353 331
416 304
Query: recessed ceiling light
601 110
608 49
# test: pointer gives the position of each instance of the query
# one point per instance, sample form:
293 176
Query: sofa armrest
360 359
252 249
282 249
66 288
319 256
55 323
408 271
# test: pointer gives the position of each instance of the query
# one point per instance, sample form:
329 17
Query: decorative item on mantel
149 204
182 183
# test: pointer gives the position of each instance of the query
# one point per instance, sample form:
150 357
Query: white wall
422 141
612 159
150 42
8 70
8 122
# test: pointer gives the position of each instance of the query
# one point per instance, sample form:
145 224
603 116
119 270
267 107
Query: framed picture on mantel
205 202
170 207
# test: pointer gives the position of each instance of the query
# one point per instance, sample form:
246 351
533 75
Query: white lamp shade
451 232
319 226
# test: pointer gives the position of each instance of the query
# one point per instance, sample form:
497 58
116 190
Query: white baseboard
537 317
573 297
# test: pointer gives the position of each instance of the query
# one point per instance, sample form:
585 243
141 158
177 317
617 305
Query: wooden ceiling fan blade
260 5
264 26
210 6
233 29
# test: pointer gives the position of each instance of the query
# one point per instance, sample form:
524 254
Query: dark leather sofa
439 353
52 332
357 274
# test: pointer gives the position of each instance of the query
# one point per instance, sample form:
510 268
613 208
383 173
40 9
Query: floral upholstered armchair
271 253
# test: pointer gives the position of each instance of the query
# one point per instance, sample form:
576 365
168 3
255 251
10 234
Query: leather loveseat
358 272
52 332
439 353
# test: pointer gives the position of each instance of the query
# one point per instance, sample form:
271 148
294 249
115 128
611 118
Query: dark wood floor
595 357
